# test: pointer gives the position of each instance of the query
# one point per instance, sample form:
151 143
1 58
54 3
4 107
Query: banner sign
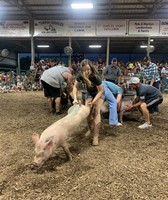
14 28
145 27
111 28
80 28
164 27
84 28
48 28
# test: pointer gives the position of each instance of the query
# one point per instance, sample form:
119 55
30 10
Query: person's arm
119 76
75 91
119 80
152 82
99 94
70 79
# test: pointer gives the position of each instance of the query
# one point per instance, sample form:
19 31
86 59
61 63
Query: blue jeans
156 85
113 115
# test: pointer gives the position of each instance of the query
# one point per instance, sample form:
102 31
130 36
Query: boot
95 141
96 134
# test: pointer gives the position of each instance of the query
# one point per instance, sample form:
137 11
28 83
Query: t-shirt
53 76
95 80
148 92
112 73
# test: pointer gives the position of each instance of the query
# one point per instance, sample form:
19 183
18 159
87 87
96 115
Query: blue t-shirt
115 89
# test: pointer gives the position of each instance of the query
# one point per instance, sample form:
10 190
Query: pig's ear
48 144
35 138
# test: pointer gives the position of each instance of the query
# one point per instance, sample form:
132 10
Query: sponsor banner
144 27
80 28
49 28
14 28
111 28
164 27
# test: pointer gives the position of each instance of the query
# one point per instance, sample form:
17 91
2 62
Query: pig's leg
66 150
121 113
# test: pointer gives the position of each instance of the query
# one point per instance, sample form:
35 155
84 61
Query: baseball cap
147 58
114 59
134 80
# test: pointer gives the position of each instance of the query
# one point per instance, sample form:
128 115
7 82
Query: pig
125 107
56 135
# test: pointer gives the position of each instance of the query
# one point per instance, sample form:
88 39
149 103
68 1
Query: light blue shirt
115 89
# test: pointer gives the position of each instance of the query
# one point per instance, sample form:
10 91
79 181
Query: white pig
125 107
57 134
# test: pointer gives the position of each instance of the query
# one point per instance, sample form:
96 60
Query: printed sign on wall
145 27
80 28
111 28
48 28
164 27
14 28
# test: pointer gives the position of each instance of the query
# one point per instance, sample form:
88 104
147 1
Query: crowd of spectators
10 81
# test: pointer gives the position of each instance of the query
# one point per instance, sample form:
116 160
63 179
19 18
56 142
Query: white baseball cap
134 80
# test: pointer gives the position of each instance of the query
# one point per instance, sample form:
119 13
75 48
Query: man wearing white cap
147 97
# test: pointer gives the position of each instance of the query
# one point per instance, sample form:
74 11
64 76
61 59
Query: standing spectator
147 98
53 80
112 72
151 77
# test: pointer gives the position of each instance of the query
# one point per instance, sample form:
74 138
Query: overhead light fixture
94 46
145 46
81 5
151 40
43 46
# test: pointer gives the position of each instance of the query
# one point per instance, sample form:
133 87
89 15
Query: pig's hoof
34 166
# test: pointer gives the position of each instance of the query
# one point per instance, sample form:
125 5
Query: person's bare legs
57 104
96 121
49 99
145 112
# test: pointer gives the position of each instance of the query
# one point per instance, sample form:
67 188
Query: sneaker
118 124
145 125
58 113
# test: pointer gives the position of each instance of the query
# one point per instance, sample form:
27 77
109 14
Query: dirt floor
128 164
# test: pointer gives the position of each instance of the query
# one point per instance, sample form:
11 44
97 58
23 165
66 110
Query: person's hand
130 107
90 103
64 94
75 101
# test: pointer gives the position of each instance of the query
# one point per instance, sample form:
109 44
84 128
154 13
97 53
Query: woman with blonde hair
90 77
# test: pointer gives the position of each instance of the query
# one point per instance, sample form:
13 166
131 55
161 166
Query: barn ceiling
103 9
